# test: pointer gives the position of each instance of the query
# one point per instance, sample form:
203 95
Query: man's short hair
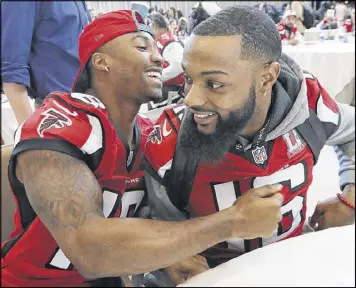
260 38
159 20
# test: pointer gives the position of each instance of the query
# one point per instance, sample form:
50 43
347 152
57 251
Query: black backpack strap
313 132
181 177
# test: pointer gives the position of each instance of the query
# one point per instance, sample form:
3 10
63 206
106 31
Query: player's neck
257 121
123 115
122 110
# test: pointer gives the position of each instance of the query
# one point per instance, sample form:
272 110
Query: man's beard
213 148
289 27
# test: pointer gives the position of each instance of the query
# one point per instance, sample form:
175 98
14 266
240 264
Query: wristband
343 200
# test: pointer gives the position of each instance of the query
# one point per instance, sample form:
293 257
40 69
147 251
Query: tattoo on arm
61 189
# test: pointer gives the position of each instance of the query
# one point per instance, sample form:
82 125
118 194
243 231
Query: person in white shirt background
340 10
171 49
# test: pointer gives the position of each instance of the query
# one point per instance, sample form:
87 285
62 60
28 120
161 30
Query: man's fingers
176 276
317 215
321 224
199 269
202 261
279 197
268 190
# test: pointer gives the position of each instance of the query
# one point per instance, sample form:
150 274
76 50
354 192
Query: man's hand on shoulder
334 213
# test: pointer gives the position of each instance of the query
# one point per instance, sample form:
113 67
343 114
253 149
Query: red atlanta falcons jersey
287 160
163 41
78 125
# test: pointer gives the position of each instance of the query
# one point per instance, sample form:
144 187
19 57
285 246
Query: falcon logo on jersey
294 143
259 155
53 118
155 137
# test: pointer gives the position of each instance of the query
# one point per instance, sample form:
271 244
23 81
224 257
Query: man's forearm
18 98
133 246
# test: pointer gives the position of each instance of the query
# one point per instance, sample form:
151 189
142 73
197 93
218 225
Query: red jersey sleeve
59 126
161 142
322 104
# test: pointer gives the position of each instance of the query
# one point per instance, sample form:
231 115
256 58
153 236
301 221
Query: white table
325 258
332 62
8 120
313 34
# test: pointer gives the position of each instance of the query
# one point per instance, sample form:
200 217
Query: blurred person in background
340 11
329 21
298 7
151 10
181 30
39 49
270 10
348 24
324 6
141 7
287 29
172 14
200 12
171 49
92 13
179 15
172 24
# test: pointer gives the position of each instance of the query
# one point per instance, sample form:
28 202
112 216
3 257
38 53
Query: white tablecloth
8 120
332 62
313 34
324 259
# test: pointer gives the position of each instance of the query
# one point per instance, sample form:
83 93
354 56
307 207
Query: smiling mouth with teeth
156 75
204 116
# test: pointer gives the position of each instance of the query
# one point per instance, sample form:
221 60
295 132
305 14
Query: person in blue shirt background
39 49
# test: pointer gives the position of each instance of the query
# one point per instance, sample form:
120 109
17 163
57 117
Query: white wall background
184 6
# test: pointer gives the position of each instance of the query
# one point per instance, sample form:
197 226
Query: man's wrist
224 222
349 193
232 220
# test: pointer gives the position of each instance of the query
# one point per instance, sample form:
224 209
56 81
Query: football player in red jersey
75 173
252 118
288 29
171 49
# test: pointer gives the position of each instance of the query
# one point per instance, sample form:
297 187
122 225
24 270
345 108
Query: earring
264 94
106 69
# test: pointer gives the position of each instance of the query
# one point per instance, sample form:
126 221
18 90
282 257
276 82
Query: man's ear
270 74
100 62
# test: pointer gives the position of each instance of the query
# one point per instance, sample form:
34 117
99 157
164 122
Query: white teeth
204 116
154 74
